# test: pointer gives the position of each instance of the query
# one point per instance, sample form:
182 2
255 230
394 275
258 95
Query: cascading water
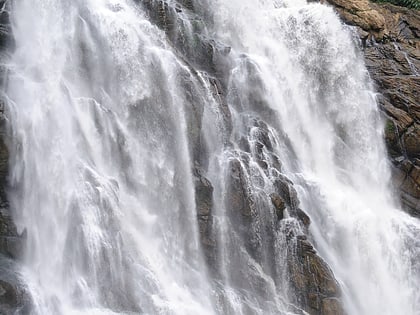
109 118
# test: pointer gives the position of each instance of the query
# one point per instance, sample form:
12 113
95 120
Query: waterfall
123 118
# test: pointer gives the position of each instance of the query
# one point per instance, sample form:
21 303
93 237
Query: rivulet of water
100 110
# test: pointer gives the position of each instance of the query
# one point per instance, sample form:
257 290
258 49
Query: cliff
13 295
390 39
390 36
311 285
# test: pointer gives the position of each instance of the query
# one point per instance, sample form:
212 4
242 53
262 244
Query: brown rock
279 205
203 194
287 192
411 141
303 217
331 306
352 6
204 206
14 298
393 62
362 14
239 200
313 281
392 138
411 184
404 120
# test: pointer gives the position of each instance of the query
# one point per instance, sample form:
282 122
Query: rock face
13 296
391 44
312 286
254 219
391 40
362 14
204 204
313 282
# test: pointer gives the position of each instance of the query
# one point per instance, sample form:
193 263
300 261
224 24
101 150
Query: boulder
361 14
313 283
411 141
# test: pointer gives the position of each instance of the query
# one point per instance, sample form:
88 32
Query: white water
101 172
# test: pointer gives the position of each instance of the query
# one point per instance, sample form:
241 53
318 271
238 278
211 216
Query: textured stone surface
13 296
392 54
204 204
313 282
362 14
14 299
253 218
391 44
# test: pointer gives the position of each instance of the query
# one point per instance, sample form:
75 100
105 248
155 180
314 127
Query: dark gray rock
14 297
204 205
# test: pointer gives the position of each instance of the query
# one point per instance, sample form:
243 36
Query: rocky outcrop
14 299
257 216
254 219
204 205
313 282
391 43
13 296
185 30
361 14
11 242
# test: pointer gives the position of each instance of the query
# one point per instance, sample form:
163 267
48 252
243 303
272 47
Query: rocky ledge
390 36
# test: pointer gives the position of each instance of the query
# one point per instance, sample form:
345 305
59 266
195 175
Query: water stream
101 109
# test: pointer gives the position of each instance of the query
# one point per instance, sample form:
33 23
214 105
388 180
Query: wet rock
409 184
239 200
12 246
331 306
11 243
313 283
252 217
220 97
392 139
204 206
279 204
14 298
249 214
411 141
203 194
188 4
392 55
184 29
303 217
6 36
286 190
4 168
401 117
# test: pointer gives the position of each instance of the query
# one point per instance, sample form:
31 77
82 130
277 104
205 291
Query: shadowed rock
313 284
